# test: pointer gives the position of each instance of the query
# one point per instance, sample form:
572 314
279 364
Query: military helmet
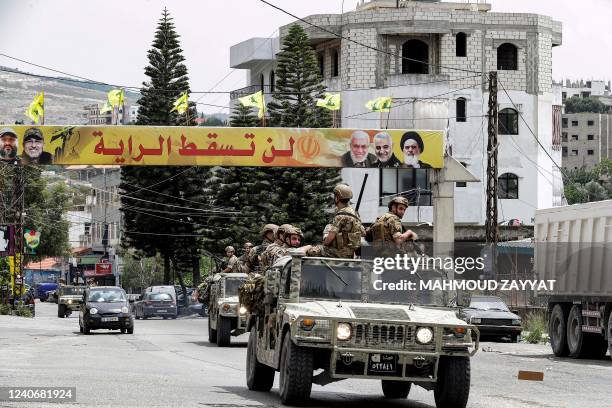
343 192
398 201
229 249
294 231
269 228
282 230
247 245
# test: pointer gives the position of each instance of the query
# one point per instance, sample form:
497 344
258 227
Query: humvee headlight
70 301
424 335
93 310
307 324
243 310
125 309
226 307
344 331
516 322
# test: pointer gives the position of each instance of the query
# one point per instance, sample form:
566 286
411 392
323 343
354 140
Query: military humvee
69 298
226 317
325 313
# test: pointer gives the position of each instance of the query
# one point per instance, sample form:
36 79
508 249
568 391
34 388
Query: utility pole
492 230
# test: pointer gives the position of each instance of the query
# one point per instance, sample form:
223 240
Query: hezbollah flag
181 104
116 97
36 108
330 101
255 100
107 107
381 104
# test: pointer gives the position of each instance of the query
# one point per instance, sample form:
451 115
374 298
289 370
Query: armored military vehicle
69 299
226 317
332 314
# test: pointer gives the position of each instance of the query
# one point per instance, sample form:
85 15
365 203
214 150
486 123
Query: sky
108 40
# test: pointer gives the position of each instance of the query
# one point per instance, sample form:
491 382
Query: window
508 122
272 80
575 152
261 82
574 123
574 137
412 183
508 186
564 137
321 60
564 122
461 115
462 183
590 152
564 95
415 57
586 94
461 48
591 137
336 64
588 84
507 57
591 123
564 152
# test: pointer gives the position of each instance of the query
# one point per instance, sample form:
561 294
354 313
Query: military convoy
69 299
226 317
325 313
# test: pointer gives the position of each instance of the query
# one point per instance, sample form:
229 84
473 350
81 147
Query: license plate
110 319
382 364
161 311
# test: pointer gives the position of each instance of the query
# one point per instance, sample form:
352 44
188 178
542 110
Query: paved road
168 363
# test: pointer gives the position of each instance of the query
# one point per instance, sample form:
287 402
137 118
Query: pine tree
243 116
156 200
304 196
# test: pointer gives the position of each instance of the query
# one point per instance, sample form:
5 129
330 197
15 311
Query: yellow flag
255 100
381 104
107 107
116 97
181 104
330 101
36 108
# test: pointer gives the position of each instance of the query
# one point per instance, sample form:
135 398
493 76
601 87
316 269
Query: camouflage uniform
386 228
254 257
233 264
270 254
348 229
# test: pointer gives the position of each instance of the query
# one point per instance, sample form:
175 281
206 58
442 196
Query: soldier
344 236
253 260
388 228
232 260
243 264
279 241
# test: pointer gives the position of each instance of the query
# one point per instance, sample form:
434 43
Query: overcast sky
108 40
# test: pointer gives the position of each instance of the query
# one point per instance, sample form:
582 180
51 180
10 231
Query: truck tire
259 376
296 367
577 342
224 328
557 327
396 389
212 333
61 311
453 386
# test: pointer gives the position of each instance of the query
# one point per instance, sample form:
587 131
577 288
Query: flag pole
42 120
389 113
263 107
122 106
187 112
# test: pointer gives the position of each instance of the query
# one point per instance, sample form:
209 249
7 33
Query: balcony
254 51
248 90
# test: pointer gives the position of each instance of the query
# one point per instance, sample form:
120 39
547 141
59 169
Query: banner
221 146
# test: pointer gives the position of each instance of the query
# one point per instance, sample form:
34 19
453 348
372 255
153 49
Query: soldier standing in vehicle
232 260
344 236
243 265
388 229
253 260
279 241
292 238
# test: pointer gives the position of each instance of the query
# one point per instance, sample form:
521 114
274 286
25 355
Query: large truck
574 248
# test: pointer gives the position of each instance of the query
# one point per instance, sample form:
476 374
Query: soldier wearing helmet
232 260
253 261
343 238
269 254
388 228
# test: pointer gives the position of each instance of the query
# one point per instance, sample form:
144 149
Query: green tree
212 121
164 200
243 116
576 104
583 186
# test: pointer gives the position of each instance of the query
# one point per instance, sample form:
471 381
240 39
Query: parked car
198 308
156 304
105 307
492 317
43 288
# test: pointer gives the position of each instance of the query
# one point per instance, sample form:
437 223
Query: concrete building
586 139
452 44
584 89
94 117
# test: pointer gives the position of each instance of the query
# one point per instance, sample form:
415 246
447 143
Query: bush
536 325
23 311
5 309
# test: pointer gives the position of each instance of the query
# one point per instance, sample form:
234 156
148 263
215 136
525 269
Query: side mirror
463 298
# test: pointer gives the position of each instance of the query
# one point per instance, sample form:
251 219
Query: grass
536 325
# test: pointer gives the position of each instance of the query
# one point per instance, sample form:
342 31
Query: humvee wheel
453 387
86 329
558 332
61 311
212 334
224 327
123 331
296 366
80 328
396 389
259 376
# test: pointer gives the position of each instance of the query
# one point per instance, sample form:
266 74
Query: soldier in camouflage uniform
253 259
279 241
243 265
387 231
232 260
344 236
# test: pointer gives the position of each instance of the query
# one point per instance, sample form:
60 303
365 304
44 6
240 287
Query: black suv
105 307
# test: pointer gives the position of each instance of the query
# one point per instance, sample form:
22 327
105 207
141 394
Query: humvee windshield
232 285
325 281
72 290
